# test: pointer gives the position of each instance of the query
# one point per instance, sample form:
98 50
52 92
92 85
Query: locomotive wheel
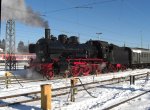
111 68
66 74
98 71
86 71
123 68
105 70
49 74
76 71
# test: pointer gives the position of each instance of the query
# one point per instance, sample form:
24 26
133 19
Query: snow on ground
105 95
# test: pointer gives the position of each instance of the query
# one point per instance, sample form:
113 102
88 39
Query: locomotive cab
118 55
102 48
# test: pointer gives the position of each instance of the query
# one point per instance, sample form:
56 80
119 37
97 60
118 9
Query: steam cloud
17 9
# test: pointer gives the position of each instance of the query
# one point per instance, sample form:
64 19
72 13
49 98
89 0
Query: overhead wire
81 6
69 8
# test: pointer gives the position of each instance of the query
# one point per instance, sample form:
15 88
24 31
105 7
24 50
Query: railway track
16 79
129 99
90 85
23 80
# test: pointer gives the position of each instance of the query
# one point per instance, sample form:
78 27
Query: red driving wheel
75 71
86 71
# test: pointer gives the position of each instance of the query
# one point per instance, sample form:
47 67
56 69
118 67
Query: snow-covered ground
105 95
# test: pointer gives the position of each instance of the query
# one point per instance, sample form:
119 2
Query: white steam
102 66
17 9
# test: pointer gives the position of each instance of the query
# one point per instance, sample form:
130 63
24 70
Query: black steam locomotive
68 57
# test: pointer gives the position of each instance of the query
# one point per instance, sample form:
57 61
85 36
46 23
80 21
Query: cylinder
47 33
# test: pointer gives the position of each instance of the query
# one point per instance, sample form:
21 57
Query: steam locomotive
67 56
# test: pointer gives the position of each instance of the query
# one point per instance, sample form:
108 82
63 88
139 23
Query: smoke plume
17 9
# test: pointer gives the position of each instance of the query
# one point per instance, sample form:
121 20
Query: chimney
47 34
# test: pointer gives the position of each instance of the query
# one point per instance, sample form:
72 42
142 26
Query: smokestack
47 33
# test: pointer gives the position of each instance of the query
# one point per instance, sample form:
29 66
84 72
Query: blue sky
119 21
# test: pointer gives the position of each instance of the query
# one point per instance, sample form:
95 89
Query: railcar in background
18 57
139 57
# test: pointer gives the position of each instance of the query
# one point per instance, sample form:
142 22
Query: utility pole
10 60
141 40
0 18
98 33
124 44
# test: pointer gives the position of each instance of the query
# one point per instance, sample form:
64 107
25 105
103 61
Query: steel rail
122 102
